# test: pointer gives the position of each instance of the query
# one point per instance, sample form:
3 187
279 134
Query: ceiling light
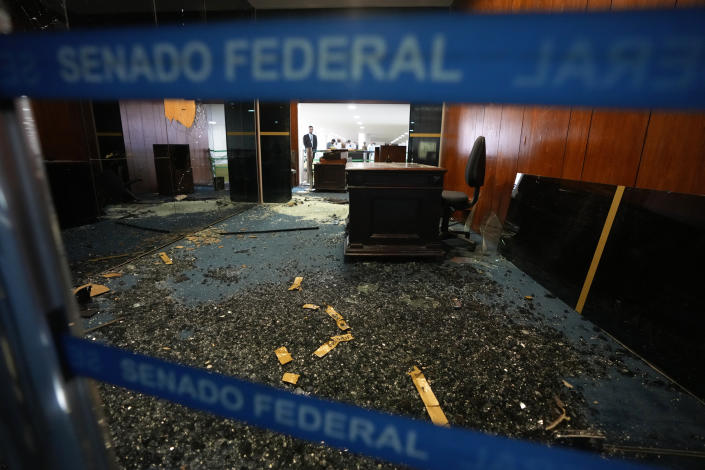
250 110
359 123
362 127
356 117
351 106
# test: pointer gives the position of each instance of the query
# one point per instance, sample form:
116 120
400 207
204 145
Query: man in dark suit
310 144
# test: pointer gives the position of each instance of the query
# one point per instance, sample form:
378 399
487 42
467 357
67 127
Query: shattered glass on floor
502 355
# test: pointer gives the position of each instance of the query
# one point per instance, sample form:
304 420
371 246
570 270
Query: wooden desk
395 209
329 175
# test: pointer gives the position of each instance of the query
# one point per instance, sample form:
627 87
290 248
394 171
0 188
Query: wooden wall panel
599 4
651 150
507 157
463 127
690 3
144 125
642 4
576 143
543 139
614 146
568 5
675 143
491 124
535 5
450 157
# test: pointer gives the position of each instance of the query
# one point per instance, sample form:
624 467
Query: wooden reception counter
395 209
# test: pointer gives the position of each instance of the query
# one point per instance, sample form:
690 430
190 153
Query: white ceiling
296 4
382 122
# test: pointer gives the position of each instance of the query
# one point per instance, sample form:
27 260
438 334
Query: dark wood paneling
543 141
65 130
576 143
614 147
674 153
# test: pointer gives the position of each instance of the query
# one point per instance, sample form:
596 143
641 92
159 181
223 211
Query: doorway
361 126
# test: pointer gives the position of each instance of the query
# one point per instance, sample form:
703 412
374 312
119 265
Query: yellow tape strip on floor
600 247
429 399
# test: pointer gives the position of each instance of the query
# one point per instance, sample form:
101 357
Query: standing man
310 144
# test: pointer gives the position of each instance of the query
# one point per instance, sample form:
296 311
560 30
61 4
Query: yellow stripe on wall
274 133
240 133
421 134
600 248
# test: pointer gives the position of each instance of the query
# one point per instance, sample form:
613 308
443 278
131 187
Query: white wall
216 127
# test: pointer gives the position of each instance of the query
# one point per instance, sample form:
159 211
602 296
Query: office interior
534 318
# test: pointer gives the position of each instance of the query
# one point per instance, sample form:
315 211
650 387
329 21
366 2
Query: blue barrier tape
622 59
392 438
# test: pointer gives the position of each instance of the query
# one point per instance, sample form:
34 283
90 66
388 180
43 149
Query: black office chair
474 177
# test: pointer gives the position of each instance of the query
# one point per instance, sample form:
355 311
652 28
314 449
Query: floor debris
567 384
111 275
283 355
579 433
428 397
107 323
339 320
208 236
291 378
563 417
124 255
165 258
297 283
141 227
95 289
274 230
311 306
329 345
482 337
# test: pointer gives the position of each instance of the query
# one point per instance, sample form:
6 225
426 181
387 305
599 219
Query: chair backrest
475 169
